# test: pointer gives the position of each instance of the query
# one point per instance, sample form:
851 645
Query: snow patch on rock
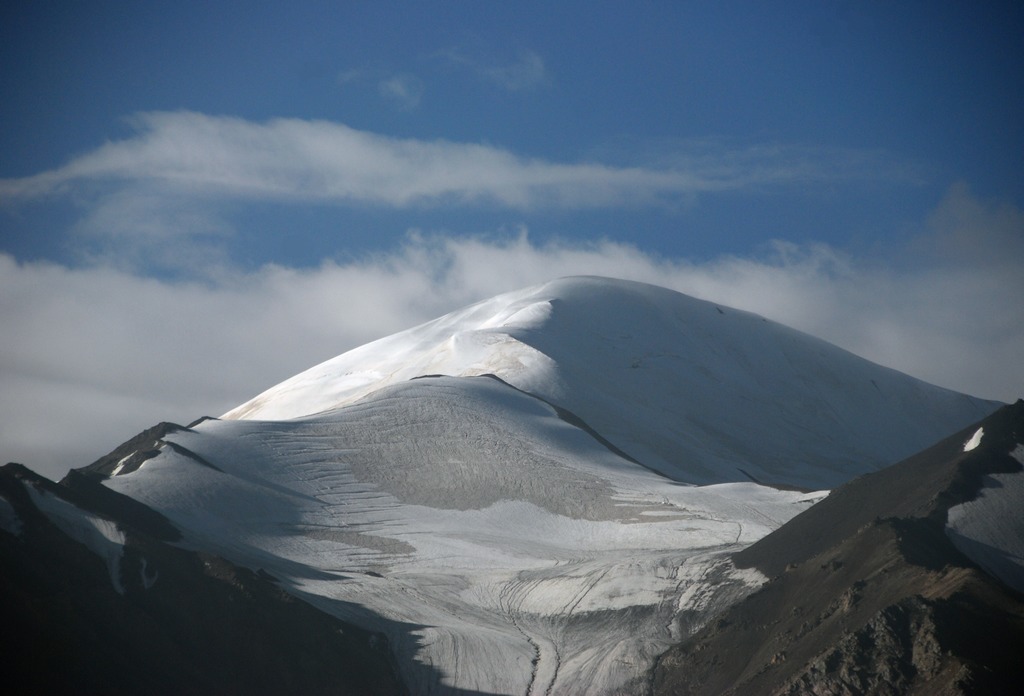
974 440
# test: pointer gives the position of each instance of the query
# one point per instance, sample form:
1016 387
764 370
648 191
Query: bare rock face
895 647
859 619
902 649
868 594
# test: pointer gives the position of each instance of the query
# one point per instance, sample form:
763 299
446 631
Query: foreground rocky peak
97 598
876 590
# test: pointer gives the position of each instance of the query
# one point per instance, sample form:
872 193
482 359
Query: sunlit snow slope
697 391
512 534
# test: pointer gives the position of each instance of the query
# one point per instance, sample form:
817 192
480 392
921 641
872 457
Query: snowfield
554 500
697 391
990 529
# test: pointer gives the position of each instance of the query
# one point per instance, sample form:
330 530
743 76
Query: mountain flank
868 594
158 619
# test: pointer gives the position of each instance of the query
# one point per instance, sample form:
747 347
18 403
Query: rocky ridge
868 594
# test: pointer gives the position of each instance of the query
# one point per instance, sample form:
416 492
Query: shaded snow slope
990 529
699 392
530 557
99 535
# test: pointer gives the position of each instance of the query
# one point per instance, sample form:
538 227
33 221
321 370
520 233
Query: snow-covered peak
485 524
476 340
700 392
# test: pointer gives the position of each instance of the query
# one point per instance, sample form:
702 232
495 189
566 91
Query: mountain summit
540 493
696 391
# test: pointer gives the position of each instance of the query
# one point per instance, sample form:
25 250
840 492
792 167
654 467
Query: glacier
541 492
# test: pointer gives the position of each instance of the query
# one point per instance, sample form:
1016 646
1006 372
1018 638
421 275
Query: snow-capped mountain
540 493
699 392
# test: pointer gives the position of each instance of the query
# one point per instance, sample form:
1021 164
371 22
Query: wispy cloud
401 90
526 72
208 157
141 227
350 76
90 356
183 177
404 90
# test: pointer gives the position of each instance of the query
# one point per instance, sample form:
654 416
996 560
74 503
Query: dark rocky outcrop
867 593
131 454
175 622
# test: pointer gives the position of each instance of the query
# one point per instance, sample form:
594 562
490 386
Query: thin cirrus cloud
525 73
210 157
403 90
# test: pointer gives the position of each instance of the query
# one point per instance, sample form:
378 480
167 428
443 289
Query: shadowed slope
153 618
868 592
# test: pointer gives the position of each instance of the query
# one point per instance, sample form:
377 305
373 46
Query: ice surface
990 529
525 550
539 532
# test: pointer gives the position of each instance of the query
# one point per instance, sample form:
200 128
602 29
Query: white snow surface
974 440
990 529
494 530
502 549
700 392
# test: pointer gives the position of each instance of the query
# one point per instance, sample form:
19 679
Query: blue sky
337 171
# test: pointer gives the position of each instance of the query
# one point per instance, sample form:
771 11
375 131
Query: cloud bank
90 356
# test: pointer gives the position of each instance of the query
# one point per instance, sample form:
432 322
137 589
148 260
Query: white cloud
90 356
139 227
205 158
164 198
967 228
